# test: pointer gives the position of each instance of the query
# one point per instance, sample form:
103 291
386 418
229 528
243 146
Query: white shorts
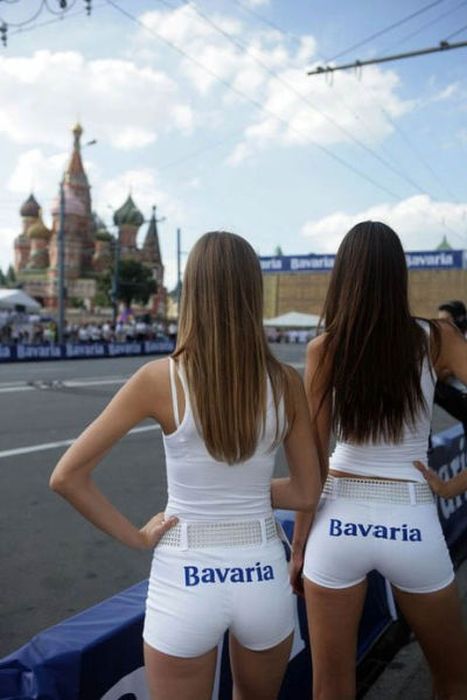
404 542
196 595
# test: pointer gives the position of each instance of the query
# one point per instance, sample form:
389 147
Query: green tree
278 250
2 278
11 280
135 282
103 295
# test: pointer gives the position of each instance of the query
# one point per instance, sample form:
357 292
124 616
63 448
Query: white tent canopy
293 319
10 298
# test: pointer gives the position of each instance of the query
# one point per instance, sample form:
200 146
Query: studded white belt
403 492
232 533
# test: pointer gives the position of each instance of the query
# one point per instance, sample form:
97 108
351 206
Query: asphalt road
53 563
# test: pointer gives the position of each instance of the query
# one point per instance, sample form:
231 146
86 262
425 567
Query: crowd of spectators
281 335
16 328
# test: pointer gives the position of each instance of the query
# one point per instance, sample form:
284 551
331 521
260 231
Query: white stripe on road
63 443
57 384
14 389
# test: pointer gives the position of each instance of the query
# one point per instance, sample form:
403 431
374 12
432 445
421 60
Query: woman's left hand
296 568
154 529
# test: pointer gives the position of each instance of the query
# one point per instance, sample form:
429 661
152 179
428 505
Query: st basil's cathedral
89 247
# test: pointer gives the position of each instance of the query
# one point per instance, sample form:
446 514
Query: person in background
370 378
455 312
225 404
445 489
450 393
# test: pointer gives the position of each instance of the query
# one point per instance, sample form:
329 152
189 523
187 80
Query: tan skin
147 394
334 614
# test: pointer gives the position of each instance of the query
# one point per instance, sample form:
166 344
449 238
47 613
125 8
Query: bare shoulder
315 348
152 378
154 370
150 385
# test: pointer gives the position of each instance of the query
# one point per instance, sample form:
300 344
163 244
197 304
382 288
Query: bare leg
257 675
333 617
436 619
176 678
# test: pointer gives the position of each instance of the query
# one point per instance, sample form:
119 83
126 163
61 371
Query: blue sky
230 134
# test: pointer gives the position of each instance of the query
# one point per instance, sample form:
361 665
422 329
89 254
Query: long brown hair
223 348
373 347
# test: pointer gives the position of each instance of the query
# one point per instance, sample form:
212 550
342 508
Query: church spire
74 174
151 246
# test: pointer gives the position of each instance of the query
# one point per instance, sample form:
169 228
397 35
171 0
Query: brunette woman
370 378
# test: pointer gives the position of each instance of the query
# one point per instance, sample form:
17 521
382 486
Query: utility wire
48 22
307 102
370 93
462 29
254 102
386 29
265 67
424 26
443 46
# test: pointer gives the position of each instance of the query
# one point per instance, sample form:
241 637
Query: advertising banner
417 260
74 351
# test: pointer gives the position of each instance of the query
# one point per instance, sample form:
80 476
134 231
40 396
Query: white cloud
419 221
303 104
121 103
36 172
7 237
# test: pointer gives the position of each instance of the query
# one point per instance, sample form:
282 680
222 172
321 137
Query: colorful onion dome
30 207
38 229
128 214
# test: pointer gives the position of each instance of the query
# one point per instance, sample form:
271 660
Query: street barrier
76 351
97 654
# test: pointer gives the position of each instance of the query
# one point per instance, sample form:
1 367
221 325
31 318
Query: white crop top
202 488
389 460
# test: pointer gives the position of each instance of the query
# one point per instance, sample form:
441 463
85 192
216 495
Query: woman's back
386 458
201 487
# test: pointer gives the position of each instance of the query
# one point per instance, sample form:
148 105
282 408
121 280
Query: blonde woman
225 404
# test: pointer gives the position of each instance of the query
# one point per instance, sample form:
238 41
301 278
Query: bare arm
137 399
301 490
452 359
446 489
320 417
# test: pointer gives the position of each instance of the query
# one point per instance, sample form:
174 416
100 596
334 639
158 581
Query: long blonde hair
223 349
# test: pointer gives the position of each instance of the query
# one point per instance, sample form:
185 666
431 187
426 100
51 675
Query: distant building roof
444 245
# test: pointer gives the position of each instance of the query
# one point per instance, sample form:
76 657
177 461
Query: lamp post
114 293
61 263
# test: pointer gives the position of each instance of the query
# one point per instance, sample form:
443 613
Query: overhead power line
386 29
443 46
307 102
251 100
422 28
258 104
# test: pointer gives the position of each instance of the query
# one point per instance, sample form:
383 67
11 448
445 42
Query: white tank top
202 488
387 459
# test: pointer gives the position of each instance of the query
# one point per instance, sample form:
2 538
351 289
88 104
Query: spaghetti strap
173 390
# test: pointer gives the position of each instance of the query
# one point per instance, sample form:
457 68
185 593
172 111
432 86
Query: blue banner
418 260
73 351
